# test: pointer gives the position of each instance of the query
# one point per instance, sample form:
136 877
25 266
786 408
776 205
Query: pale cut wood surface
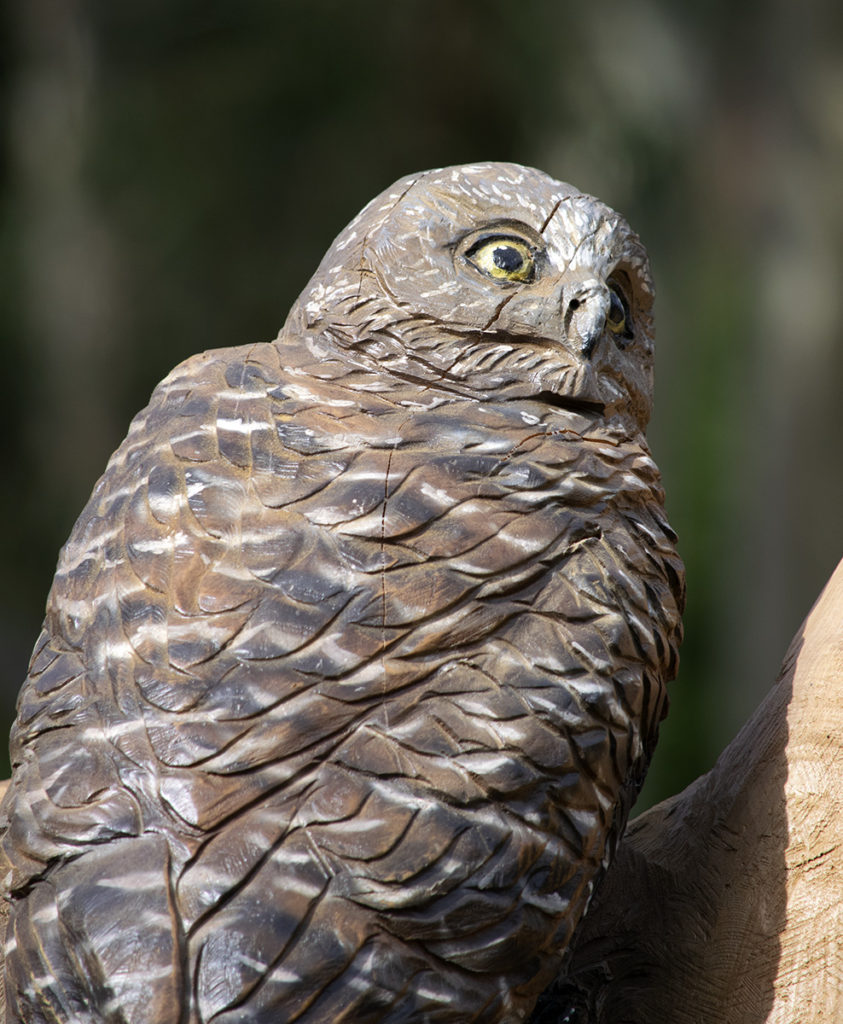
725 904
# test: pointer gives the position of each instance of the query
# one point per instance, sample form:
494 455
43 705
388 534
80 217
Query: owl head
495 282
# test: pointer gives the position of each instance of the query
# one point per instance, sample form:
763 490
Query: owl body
355 659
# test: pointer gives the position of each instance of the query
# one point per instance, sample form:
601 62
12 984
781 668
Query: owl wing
196 605
216 624
199 566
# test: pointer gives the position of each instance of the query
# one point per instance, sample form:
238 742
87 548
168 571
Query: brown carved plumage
355 659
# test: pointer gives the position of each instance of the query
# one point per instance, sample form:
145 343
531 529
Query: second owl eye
503 258
618 319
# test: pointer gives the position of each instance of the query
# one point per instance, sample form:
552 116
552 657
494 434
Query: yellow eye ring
503 258
618 319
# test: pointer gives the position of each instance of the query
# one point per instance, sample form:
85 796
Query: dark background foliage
171 173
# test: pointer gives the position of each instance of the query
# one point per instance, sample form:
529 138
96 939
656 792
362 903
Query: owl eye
618 318
503 258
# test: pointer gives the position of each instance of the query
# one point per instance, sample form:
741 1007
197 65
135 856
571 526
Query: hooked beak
586 317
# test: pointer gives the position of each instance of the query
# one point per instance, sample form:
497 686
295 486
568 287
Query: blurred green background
172 172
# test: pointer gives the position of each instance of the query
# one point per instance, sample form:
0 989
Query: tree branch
725 903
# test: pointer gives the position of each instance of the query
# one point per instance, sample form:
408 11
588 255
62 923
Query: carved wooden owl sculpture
355 659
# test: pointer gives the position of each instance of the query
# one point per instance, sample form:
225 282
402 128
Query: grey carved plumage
355 659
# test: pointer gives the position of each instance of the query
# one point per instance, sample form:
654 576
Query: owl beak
589 342
585 317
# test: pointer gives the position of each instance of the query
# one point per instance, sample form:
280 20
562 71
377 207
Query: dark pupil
616 310
507 258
